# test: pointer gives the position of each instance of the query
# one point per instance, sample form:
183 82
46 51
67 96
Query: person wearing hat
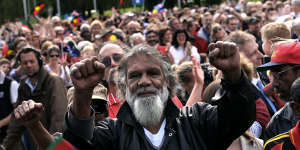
289 140
285 69
99 101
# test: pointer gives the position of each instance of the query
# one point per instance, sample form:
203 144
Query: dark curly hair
174 38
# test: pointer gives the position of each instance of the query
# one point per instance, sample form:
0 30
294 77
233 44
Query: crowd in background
182 36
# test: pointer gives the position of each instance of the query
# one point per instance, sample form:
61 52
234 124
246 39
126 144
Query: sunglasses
280 74
54 56
107 61
44 54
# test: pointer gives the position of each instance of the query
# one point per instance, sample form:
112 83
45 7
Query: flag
37 9
76 21
70 48
60 144
158 8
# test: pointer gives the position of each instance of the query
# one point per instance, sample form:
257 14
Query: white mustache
147 89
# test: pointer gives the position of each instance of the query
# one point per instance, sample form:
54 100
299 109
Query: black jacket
200 127
282 121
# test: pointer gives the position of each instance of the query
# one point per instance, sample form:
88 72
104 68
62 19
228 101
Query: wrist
34 125
233 76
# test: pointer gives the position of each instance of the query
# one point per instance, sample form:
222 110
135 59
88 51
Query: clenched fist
28 112
87 73
225 56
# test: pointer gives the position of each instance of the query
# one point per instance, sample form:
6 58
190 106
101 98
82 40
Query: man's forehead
110 49
140 61
29 55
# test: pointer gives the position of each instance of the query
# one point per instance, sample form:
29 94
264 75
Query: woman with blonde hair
96 28
217 33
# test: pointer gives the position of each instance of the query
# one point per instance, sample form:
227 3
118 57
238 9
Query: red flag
121 2
37 9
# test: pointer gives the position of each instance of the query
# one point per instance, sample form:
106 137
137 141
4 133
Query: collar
287 113
2 77
295 136
125 114
43 73
112 99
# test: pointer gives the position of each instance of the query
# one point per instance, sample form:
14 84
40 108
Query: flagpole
58 7
25 10
179 3
95 5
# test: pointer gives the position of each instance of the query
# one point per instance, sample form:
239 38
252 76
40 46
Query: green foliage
12 9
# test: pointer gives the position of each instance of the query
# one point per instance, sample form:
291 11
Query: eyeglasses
279 75
54 56
44 54
107 61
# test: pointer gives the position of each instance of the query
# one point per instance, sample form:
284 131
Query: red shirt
113 105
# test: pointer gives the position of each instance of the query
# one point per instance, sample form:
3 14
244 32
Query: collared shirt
13 88
32 87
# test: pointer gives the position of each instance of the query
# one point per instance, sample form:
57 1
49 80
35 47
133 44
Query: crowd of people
217 77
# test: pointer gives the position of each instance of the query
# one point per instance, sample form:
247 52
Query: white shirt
13 88
62 74
156 139
179 53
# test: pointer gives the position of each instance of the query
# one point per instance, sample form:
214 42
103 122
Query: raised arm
85 76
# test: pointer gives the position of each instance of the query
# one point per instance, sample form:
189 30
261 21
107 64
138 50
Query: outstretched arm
85 76
196 94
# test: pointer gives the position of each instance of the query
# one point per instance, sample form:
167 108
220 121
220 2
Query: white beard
149 110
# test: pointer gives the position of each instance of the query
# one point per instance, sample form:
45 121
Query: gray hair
295 91
295 2
155 55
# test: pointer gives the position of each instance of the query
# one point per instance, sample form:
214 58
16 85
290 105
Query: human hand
198 73
87 73
225 57
28 113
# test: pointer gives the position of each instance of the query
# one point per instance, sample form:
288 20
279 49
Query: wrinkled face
181 38
152 39
110 55
283 77
5 68
29 63
251 51
147 91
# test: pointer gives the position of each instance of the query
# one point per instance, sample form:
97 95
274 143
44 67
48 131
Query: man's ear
296 108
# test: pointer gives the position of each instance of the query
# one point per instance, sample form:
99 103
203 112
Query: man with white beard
149 119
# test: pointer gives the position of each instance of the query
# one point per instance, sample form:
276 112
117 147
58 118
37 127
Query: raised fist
225 57
87 73
28 112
